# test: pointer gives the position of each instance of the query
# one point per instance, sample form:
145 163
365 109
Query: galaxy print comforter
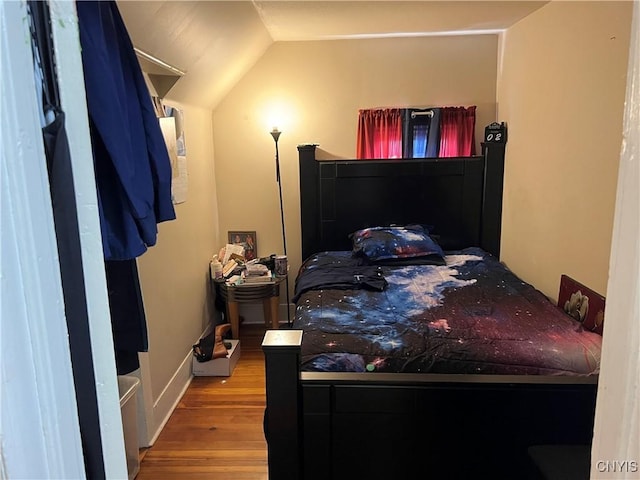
472 315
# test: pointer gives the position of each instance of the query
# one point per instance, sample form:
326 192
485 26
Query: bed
445 367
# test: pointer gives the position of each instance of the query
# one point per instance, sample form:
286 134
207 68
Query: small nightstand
268 294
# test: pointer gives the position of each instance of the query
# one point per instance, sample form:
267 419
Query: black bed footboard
380 426
283 415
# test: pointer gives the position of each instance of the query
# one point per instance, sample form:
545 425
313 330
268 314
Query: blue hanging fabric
133 170
417 125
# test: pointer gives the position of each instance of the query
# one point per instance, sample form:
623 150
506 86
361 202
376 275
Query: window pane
420 133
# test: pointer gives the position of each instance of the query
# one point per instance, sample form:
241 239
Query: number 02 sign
495 133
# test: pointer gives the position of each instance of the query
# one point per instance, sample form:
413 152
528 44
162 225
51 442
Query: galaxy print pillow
408 245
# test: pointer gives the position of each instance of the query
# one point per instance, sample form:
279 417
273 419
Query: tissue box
218 367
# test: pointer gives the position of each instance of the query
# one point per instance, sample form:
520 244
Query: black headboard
460 199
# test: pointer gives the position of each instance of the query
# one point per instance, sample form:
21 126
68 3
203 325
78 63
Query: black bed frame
459 199
334 426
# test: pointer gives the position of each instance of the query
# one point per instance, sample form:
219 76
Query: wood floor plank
215 432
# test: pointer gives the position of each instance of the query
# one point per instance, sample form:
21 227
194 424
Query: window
416 132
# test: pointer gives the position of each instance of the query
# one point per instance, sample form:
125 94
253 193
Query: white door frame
39 427
38 417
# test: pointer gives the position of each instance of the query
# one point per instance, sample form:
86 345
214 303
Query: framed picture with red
247 239
581 303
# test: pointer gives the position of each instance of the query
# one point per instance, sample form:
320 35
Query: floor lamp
275 133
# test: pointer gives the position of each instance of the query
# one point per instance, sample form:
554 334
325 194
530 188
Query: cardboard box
218 367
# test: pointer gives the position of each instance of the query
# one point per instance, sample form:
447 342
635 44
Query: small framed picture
247 240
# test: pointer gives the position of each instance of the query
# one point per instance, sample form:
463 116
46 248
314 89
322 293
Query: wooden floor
215 432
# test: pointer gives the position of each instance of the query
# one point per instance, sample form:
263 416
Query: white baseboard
170 396
153 415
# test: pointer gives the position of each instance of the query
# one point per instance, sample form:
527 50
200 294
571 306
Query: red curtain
379 133
457 127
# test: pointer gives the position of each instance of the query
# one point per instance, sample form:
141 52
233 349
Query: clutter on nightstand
216 268
231 266
232 260
256 273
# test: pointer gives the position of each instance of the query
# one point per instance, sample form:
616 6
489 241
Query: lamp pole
275 133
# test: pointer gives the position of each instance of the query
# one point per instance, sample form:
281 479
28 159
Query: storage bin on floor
222 367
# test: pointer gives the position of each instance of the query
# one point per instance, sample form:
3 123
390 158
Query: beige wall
559 193
174 273
559 85
561 92
321 86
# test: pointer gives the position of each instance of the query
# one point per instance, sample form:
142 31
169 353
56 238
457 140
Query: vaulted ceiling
216 42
